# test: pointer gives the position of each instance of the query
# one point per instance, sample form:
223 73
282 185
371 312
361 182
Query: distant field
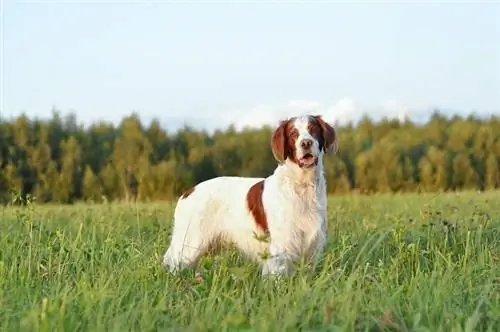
398 263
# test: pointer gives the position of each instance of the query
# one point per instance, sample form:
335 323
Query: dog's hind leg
186 247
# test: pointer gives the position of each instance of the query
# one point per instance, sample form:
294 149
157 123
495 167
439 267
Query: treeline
58 160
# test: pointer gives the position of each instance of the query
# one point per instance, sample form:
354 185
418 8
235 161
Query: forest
58 160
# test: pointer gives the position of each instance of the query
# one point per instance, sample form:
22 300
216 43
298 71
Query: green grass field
395 263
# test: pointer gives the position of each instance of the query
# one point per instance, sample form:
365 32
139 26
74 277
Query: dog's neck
302 177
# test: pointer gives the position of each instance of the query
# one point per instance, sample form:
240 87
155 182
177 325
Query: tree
336 176
366 176
43 167
492 176
433 174
464 176
70 176
130 149
483 146
110 182
91 186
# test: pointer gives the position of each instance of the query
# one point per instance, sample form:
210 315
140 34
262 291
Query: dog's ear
330 140
278 142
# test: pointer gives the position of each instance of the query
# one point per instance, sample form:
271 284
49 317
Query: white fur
295 204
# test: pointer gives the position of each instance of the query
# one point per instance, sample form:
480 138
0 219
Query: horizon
384 60
179 124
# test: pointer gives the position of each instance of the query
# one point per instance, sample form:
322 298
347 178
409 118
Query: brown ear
278 142
330 142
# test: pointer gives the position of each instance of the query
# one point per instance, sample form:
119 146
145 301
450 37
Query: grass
396 263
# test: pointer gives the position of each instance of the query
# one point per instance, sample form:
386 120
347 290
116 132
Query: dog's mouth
307 160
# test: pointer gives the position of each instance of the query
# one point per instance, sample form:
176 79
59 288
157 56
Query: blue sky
211 64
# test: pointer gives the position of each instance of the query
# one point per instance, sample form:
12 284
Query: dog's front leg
316 242
278 264
279 261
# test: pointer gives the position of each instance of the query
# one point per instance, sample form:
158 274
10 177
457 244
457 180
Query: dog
277 220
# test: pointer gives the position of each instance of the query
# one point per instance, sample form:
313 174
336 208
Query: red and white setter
276 220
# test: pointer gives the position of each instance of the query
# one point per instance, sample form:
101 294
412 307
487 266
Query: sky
211 63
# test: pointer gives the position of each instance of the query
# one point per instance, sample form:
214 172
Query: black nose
306 143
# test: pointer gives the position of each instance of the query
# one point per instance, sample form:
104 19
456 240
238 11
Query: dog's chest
306 222
306 197
306 209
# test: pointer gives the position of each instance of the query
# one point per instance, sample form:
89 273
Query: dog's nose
306 143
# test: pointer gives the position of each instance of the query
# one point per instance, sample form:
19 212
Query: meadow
412 262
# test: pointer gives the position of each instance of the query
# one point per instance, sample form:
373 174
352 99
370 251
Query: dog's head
303 140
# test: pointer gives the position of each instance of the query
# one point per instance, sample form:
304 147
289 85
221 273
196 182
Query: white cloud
341 112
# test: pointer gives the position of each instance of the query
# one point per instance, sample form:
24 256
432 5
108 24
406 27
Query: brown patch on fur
255 205
327 134
187 193
315 130
283 141
278 142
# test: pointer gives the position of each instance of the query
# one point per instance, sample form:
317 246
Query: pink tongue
305 160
